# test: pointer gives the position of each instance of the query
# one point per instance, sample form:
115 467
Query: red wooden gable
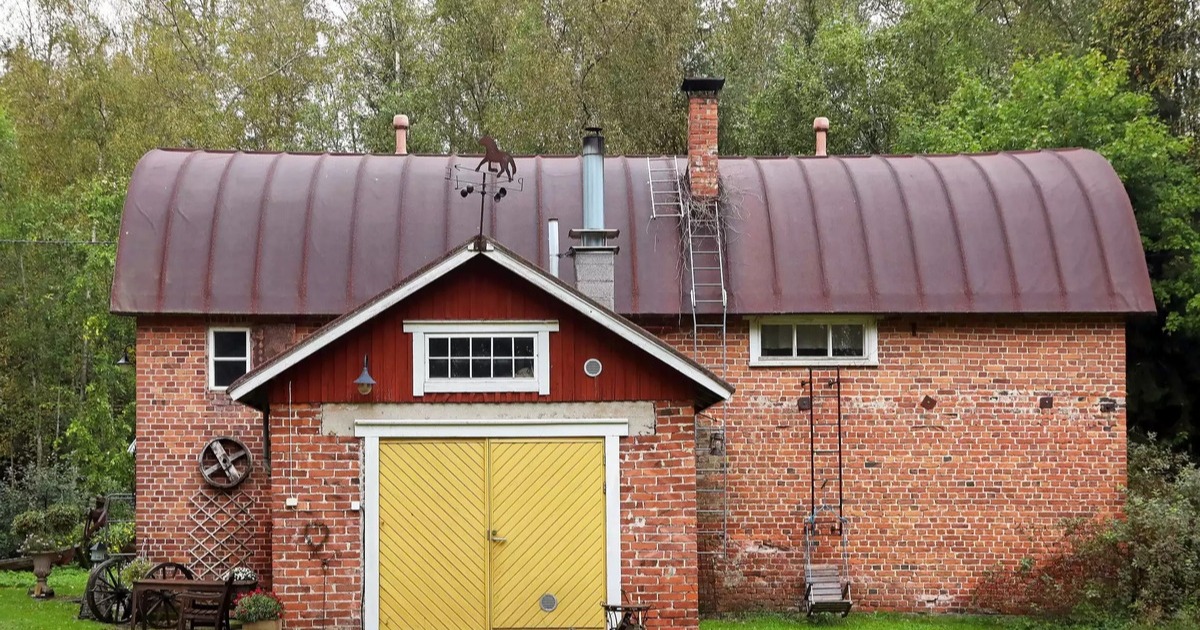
478 290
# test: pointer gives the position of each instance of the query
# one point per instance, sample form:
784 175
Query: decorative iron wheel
160 609
225 462
107 596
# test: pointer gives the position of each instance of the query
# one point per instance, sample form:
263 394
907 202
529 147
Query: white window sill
451 386
816 362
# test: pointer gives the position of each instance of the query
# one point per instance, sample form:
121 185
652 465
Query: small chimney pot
400 124
821 127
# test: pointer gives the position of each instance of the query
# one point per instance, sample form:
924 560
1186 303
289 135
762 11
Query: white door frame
611 429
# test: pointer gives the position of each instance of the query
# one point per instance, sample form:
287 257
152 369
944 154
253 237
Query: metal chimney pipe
400 124
552 245
821 126
593 185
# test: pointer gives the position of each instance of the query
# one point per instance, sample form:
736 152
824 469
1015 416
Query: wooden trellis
220 529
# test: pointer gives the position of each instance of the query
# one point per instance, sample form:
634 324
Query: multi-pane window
781 341
483 356
228 356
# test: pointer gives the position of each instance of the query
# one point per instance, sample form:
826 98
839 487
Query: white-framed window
483 356
228 356
814 341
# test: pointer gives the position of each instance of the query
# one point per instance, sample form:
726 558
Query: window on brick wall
228 356
813 341
481 356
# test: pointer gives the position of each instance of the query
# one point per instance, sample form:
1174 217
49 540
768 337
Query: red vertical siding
480 290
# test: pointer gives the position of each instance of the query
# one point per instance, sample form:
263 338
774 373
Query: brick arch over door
480 291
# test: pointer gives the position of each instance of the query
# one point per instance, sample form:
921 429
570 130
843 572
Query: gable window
813 341
481 356
228 356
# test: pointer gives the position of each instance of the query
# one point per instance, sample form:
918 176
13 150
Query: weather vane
496 181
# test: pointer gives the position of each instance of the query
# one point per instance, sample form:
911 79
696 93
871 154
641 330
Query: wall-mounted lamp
364 381
125 361
928 403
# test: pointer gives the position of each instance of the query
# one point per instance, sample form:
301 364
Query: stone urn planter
43 562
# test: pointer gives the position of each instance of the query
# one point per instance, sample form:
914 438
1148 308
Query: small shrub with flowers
257 605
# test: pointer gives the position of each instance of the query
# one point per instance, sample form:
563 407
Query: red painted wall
479 290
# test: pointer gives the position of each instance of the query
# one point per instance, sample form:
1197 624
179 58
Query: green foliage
33 488
257 605
117 536
1141 568
137 569
45 530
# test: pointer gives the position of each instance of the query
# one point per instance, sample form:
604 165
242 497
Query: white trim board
373 430
615 324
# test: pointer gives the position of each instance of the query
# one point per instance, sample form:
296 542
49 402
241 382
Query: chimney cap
821 124
400 121
702 84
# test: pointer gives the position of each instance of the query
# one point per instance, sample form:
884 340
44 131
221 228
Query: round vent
548 602
593 367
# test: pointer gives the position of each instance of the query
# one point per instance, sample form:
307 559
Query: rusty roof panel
306 234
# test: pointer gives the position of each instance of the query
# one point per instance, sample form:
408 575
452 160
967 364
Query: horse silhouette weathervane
496 181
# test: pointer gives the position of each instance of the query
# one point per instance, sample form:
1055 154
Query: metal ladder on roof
702 232
666 197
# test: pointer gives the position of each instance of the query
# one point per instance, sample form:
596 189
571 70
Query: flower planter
274 624
42 564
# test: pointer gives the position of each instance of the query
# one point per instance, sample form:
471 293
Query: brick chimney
702 134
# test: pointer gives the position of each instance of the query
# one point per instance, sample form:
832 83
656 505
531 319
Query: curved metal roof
319 234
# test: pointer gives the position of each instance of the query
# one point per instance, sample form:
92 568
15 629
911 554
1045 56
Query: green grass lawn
879 621
18 611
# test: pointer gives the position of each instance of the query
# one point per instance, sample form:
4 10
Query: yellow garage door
485 534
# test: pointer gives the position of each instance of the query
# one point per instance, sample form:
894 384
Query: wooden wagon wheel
107 596
160 609
225 462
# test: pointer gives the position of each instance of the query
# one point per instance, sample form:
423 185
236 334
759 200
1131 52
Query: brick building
906 370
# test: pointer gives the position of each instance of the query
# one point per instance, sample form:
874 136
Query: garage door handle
494 538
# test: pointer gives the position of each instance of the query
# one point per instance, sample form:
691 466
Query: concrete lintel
338 418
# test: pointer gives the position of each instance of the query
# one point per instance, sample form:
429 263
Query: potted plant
244 579
45 535
258 610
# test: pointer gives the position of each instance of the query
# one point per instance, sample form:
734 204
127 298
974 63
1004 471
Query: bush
1144 566
116 536
137 569
45 531
257 605
34 488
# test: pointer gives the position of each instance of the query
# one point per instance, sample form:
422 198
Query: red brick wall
935 497
658 519
176 415
322 587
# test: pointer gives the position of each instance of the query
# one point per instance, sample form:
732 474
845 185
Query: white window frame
870 341
539 330
212 358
